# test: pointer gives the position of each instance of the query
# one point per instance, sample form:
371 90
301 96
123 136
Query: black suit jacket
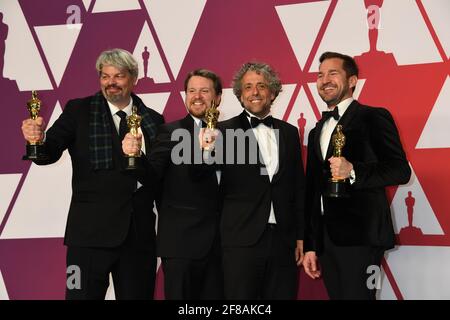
373 147
188 216
247 193
102 200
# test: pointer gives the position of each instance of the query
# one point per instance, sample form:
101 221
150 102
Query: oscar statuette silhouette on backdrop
410 233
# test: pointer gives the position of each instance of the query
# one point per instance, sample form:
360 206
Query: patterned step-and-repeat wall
402 47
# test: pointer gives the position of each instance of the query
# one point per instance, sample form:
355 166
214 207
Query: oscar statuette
211 118
134 123
337 187
35 150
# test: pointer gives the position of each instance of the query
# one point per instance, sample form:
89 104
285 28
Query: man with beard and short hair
111 224
350 234
262 211
188 217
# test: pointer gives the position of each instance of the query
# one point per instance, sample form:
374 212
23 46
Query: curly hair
260 68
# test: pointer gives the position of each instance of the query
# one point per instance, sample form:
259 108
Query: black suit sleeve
159 156
60 135
391 166
310 194
144 176
299 187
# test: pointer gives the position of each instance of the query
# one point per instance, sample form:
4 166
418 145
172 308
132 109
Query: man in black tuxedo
111 224
350 234
188 216
262 187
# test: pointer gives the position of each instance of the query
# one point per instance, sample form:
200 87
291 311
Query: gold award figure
338 140
34 105
34 149
134 123
337 187
211 118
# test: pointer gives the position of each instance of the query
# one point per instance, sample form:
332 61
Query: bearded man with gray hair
111 223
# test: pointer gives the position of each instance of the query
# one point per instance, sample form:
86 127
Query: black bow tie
268 121
328 114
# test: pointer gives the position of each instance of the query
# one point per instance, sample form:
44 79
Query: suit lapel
243 121
188 123
147 123
317 133
281 142
244 124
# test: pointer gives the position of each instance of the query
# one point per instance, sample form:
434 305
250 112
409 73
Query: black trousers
133 269
194 279
345 270
264 271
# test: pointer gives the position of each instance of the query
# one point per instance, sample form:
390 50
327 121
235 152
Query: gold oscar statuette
211 118
337 187
134 123
35 150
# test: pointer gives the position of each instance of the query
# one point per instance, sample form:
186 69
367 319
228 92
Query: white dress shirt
268 146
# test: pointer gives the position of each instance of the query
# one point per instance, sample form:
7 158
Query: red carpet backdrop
402 47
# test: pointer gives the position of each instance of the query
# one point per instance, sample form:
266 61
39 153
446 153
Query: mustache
113 86
198 100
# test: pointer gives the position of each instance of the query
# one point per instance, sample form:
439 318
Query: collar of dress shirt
114 109
252 115
343 105
197 120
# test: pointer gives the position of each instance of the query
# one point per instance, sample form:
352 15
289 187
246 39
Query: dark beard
338 99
